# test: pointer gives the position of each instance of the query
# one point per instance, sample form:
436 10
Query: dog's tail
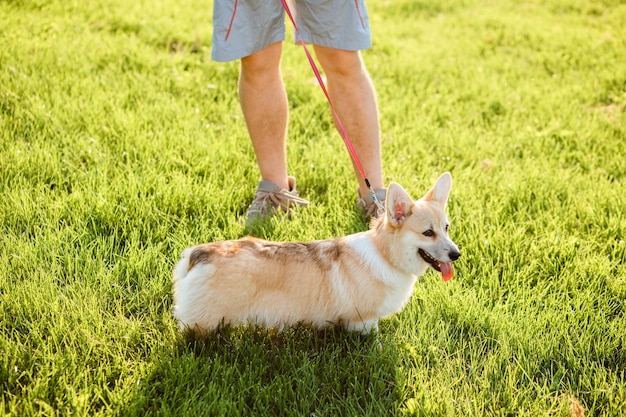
182 267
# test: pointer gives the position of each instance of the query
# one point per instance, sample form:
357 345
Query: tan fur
352 280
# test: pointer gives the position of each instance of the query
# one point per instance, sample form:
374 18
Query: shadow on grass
246 371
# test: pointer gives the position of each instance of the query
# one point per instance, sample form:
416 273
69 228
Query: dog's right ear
399 204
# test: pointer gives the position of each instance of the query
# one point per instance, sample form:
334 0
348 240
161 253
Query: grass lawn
122 143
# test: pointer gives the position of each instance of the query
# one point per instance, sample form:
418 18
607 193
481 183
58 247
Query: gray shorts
243 27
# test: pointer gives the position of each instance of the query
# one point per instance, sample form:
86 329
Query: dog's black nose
454 255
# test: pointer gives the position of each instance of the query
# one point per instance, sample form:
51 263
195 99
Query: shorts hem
226 54
356 45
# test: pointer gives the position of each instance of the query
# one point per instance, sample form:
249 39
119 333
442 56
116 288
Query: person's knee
262 64
339 62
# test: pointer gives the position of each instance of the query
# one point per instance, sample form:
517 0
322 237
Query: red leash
342 130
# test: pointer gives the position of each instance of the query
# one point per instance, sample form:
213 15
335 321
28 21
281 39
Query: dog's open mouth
444 267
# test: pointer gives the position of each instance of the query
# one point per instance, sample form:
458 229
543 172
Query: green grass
121 143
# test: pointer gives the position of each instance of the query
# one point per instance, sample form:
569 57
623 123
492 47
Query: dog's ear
399 204
441 190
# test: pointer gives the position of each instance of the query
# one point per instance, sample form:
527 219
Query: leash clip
380 208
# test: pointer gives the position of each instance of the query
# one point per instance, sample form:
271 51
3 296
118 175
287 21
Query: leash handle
342 130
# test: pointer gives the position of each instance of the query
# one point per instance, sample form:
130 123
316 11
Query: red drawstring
232 19
356 4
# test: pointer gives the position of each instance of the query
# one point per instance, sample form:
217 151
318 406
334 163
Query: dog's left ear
399 204
441 190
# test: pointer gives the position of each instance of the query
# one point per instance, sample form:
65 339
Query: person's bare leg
264 105
354 98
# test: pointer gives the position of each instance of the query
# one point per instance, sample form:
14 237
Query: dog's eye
429 233
447 227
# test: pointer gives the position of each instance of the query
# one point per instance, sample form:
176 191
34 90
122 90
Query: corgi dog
353 280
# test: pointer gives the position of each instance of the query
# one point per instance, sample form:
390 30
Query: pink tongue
446 271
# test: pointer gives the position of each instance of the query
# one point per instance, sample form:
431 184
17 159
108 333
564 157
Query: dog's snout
454 255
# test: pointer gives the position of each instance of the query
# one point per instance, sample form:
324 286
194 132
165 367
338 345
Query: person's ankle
282 183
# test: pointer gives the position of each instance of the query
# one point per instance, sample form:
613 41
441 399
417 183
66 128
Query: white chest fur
398 284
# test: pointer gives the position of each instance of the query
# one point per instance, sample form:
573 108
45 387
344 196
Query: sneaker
270 199
367 204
